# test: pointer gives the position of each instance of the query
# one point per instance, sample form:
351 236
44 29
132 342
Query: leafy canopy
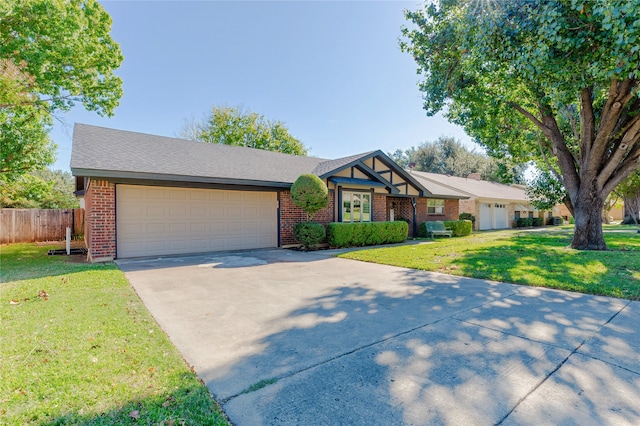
310 194
41 189
545 191
232 126
53 54
554 81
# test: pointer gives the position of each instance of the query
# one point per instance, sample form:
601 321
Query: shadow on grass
544 259
191 405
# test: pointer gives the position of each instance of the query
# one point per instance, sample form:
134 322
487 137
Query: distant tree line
449 156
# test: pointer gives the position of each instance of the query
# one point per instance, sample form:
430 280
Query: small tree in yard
310 194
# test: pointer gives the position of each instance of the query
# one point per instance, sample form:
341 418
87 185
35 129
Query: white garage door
485 216
154 220
501 216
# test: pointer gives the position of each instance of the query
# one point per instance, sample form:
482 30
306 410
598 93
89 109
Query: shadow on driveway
303 338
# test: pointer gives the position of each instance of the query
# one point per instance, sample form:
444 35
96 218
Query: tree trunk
588 228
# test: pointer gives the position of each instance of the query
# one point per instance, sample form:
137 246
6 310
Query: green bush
538 221
310 194
366 233
422 230
460 228
309 234
467 216
524 222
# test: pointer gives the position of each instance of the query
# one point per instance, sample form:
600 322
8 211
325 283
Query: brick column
100 220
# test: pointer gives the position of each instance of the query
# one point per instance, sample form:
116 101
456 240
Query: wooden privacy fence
30 225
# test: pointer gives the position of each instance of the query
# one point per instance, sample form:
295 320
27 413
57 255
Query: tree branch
619 95
625 147
530 116
628 166
587 123
553 170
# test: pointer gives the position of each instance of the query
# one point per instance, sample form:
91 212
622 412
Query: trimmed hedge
524 222
366 233
460 228
309 234
538 221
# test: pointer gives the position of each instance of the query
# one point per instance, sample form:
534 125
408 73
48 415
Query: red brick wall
403 209
100 220
290 215
451 209
380 212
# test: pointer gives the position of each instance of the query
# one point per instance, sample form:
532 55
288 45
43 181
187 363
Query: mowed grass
541 258
77 346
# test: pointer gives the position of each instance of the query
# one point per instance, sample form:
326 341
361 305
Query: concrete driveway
283 337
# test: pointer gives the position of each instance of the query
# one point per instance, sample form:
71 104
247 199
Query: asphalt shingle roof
472 187
112 152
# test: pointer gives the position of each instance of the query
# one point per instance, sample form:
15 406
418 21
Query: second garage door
154 221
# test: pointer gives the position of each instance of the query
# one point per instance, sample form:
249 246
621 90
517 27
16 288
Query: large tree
53 54
449 156
233 126
557 80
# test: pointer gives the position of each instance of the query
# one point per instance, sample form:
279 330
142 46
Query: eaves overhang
115 174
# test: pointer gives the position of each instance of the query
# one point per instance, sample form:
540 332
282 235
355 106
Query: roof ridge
181 140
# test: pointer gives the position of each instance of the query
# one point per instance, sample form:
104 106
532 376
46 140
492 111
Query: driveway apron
286 337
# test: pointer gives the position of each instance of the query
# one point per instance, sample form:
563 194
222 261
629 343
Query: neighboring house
147 195
495 206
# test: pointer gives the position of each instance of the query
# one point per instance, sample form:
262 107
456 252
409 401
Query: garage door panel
155 220
234 196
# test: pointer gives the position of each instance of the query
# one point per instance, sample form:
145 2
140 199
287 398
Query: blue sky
332 71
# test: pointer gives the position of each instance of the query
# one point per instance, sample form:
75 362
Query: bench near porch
435 228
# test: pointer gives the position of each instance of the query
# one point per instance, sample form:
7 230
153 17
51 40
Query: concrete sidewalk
284 337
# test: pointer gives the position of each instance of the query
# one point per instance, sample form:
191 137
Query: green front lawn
537 258
77 346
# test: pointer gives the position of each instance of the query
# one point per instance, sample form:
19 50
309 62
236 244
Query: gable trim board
149 195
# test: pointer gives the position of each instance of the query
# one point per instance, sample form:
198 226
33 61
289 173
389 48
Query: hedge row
525 222
366 233
460 228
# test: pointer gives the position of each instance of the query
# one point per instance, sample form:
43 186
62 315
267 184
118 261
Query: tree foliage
449 156
545 191
41 189
53 54
556 81
310 194
232 126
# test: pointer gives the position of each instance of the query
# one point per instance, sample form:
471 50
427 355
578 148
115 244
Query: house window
356 206
435 206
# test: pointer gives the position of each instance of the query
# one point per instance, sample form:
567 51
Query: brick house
494 205
147 195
